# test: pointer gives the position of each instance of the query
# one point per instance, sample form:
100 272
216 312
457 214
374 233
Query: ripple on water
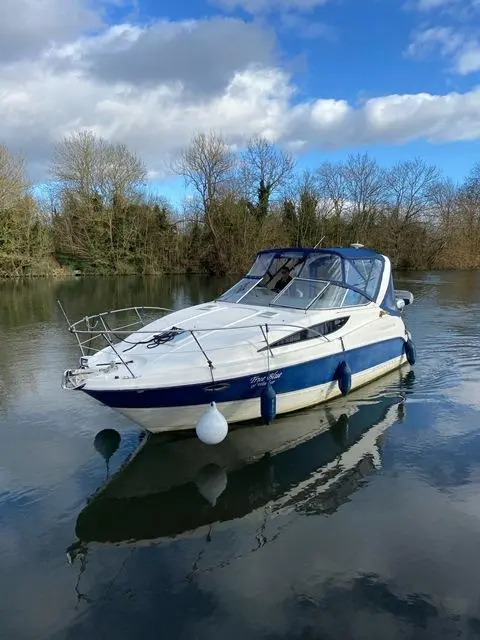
448 350
22 498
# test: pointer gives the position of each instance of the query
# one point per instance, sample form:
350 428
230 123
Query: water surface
363 522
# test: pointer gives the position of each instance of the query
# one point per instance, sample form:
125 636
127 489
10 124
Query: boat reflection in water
310 461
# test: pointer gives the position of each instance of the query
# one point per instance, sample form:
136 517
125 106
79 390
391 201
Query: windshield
270 262
309 294
309 279
364 274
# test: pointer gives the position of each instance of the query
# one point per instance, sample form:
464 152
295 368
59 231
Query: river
367 528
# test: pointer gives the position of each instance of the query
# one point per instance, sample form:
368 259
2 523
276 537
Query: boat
302 327
309 462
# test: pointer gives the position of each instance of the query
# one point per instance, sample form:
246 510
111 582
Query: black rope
163 338
157 339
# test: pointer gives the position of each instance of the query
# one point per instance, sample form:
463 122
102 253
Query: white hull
164 419
317 337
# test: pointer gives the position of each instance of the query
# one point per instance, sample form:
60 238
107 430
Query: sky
321 78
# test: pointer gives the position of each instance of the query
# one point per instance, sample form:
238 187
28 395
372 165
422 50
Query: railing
96 332
98 326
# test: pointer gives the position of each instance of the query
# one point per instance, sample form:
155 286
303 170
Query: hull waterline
261 349
184 418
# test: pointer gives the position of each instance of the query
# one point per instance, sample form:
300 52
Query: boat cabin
316 279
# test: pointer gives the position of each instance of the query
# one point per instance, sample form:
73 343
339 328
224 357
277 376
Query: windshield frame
291 284
338 262
329 283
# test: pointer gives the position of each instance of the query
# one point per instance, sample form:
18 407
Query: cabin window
389 302
299 293
364 274
269 264
310 333
239 289
260 266
335 297
323 267
309 280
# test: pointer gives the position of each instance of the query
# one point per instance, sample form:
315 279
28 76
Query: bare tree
364 185
410 186
98 183
206 165
307 232
440 219
13 183
332 197
444 196
264 169
24 240
467 218
470 190
91 167
332 189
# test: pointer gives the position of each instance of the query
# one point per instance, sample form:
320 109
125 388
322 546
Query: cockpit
310 279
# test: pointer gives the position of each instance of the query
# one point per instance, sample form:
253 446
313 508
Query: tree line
98 217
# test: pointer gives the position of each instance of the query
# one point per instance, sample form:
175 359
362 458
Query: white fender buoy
211 482
211 428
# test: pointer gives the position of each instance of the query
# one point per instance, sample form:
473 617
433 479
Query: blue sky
325 78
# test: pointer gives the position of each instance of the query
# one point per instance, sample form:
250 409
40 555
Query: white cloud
229 81
462 47
39 106
186 52
427 5
460 7
303 26
264 6
444 38
27 26
468 60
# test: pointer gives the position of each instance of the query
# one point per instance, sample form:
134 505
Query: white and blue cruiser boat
302 326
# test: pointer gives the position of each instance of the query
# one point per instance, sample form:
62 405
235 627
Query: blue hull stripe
292 378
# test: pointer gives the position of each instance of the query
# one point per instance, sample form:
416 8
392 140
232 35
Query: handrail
109 334
187 330
213 329
114 311
105 331
70 377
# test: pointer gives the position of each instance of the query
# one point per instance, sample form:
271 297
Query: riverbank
55 271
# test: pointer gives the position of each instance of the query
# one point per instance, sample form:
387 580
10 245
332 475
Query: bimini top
351 253
314 279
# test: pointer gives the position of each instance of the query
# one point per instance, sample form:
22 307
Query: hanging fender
410 351
343 375
268 404
211 427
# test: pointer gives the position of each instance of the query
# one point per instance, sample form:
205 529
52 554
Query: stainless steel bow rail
99 332
96 332
98 325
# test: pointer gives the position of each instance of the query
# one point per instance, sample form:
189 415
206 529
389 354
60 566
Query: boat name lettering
261 381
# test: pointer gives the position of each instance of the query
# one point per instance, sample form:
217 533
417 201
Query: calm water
370 529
